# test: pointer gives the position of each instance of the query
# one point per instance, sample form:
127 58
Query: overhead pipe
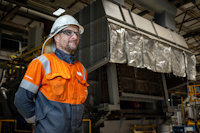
31 11
36 13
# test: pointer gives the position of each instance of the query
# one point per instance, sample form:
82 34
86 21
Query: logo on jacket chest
80 74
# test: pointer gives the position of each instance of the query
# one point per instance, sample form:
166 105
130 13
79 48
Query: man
54 87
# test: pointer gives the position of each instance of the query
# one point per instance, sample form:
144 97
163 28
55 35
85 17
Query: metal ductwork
117 44
114 34
36 13
164 12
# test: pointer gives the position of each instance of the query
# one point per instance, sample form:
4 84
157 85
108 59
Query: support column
165 91
113 87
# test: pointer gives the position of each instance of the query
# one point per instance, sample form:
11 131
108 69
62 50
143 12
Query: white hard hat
60 23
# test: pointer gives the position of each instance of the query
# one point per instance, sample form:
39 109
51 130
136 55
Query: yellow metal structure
183 110
33 53
144 129
193 123
90 124
5 121
194 93
190 123
18 62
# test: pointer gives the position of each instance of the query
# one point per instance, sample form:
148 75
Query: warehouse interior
142 59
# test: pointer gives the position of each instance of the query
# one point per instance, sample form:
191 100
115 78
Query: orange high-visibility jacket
57 80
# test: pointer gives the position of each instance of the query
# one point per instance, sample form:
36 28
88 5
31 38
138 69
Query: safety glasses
70 33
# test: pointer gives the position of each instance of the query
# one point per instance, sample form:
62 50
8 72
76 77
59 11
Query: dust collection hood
114 34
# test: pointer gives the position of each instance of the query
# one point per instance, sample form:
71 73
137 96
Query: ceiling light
59 12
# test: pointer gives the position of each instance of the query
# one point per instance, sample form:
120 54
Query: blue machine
184 129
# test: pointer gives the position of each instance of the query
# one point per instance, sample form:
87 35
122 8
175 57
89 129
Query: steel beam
139 97
183 20
10 14
178 86
14 28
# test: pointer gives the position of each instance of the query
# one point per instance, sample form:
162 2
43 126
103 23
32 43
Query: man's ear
56 38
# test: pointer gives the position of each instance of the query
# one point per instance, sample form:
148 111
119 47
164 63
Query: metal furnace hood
116 35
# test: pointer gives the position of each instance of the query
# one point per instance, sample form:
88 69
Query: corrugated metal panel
163 32
112 9
143 23
127 16
179 39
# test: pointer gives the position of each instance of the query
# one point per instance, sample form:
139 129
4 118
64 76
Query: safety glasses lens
70 33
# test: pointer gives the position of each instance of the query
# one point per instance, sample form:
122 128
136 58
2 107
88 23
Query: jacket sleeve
25 104
25 95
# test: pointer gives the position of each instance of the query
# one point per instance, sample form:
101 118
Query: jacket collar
64 56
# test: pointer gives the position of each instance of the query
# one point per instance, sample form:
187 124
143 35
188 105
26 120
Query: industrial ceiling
18 16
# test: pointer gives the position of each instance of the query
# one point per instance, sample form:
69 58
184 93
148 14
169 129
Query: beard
70 47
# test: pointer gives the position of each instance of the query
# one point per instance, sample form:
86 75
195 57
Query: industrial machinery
192 106
144 129
188 115
12 72
184 129
126 57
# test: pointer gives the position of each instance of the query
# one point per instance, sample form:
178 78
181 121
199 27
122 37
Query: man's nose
75 36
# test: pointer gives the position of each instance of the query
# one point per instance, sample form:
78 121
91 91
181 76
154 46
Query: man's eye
69 32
